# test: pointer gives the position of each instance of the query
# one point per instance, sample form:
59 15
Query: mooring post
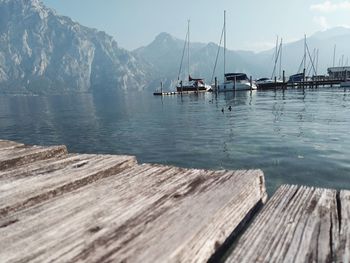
304 78
216 85
161 87
182 88
275 82
283 79
251 83
234 83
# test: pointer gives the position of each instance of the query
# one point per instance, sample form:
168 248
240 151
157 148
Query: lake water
295 137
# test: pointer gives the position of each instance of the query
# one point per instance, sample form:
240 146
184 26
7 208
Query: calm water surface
293 136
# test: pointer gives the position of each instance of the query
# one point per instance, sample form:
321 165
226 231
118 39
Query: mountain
42 52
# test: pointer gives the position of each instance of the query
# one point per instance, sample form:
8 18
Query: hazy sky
251 24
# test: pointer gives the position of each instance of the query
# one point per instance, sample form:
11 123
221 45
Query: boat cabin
296 77
236 76
339 72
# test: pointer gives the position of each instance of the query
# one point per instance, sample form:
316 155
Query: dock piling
251 83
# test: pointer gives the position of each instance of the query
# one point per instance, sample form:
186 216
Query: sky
251 24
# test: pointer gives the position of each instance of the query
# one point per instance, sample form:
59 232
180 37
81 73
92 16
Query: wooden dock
62 207
56 206
300 84
299 224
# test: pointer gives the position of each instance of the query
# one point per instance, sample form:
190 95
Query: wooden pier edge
298 224
56 206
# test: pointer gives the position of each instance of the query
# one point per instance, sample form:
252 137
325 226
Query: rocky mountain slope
42 52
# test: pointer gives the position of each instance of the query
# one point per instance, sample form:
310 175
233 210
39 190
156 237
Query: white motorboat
236 81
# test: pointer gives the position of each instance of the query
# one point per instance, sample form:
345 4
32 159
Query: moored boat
194 85
236 81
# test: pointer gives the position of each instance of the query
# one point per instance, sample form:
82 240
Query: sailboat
264 83
193 84
234 81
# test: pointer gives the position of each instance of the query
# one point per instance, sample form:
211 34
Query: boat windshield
236 76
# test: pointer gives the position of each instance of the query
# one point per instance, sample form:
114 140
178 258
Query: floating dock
61 207
300 84
177 92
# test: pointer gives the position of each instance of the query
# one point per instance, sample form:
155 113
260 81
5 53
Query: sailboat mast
317 52
304 51
275 59
188 49
335 47
280 77
224 43
276 51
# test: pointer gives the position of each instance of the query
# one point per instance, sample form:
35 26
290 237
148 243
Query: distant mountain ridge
41 52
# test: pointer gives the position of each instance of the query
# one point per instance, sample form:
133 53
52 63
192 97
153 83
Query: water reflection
295 136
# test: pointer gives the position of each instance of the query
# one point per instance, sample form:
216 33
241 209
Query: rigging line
312 63
217 55
276 60
182 58
317 62
301 64
275 52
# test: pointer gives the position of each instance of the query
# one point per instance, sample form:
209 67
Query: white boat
263 81
236 81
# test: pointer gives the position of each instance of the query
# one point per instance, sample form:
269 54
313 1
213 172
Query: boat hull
235 87
345 84
192 88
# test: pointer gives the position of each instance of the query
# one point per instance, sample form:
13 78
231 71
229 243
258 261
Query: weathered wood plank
27 186
343 250
299 224
13 157
146 213
4 145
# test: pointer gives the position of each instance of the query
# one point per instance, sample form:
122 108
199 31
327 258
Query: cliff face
41 52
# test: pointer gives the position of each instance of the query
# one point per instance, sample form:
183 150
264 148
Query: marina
57 206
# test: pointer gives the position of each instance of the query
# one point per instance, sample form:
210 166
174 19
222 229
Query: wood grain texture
298 224
146 213
343 251
4 145
11 157
26 186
